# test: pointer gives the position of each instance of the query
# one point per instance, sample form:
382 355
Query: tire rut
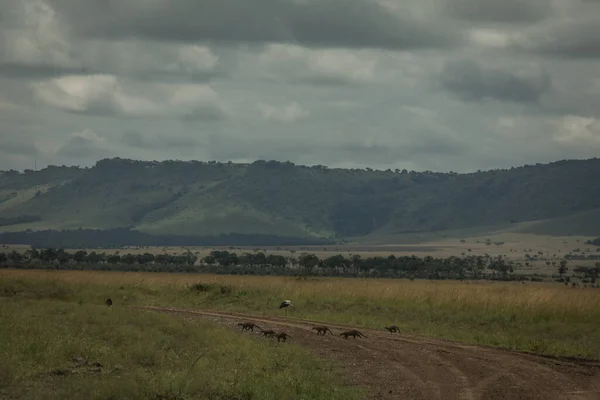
393 366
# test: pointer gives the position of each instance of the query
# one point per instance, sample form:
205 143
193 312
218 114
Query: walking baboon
354 333
248 326
267 333
322 330
108 302
282 336
392 328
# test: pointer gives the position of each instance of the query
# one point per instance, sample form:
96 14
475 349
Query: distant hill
197 199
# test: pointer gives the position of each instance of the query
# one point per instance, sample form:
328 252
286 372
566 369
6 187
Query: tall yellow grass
532 297
539 317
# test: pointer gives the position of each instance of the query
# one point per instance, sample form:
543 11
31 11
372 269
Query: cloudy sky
419 84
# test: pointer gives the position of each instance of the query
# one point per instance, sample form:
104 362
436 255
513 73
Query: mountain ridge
194 198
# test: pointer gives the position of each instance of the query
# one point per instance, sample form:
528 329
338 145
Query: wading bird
285 304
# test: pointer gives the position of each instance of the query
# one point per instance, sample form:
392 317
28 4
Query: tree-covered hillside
282 199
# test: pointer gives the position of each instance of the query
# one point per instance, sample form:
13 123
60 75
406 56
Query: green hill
283 199
585 223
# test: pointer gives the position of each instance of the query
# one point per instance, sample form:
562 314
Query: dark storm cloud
328 23
507 11
573 38
470 80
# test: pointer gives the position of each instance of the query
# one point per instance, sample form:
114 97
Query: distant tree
276 260
80 256
113 259
308 261
210 260
562 267
337 261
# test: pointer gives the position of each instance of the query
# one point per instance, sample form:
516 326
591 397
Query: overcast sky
443 85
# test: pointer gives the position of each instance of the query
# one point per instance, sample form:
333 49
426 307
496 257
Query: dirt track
396 366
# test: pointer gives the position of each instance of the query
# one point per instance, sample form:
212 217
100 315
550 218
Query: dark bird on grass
108 302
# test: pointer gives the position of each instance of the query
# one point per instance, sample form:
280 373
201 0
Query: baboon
268 333
392 328
248 326
108 302
354 333
282 336
322 330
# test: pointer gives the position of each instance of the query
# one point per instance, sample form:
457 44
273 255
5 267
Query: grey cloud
174 76
28 71
205 114
384 154
329 23
85 146
507 11
150 61
324 80
133 139
98 108
572 38
393 119
470 80
110 96
81 148
19 148
179 142
137 140
314 78
36 42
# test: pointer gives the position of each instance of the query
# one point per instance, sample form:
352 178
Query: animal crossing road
398 366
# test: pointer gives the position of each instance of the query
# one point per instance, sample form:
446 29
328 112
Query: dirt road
397 366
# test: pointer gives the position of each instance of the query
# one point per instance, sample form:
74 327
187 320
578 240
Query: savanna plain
60 339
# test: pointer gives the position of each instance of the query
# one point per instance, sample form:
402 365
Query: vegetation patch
544 318
270 200
60 341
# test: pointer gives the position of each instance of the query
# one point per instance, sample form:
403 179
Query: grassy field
543 318
49 326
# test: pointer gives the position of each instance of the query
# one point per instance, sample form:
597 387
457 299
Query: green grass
144 354
543 318
526 326
584 223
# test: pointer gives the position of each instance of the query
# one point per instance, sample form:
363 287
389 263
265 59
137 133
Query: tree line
259 263
595 242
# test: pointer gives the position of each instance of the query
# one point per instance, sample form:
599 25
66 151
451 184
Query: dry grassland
58 340
545 318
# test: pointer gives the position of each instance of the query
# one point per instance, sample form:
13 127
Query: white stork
285 304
